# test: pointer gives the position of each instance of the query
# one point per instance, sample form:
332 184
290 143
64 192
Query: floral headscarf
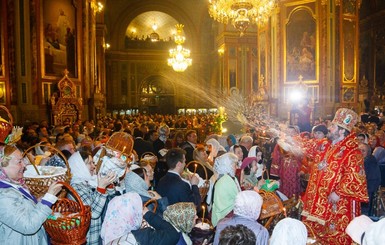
124 214
134 183
248 204
181 215
80 172
224 164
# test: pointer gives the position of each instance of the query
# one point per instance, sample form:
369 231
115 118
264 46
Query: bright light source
224 130
295 96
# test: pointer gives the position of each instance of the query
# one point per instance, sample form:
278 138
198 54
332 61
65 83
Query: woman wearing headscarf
200 155
123 221
214 147
247 209
248 178
255 151
182 216
21 214
231 140
91 189
289 231
225 188
138 181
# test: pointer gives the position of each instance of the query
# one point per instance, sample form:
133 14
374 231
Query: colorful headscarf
80 172
289 231
248 204
124 214
224 164
134 183
181 215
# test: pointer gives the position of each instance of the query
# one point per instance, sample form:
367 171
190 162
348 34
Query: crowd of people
154 196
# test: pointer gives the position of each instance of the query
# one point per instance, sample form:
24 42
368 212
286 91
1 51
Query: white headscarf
248 204
289 231
253 153
215 147
80 172
375 235
224 164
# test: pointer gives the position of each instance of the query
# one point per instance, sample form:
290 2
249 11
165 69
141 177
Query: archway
157 96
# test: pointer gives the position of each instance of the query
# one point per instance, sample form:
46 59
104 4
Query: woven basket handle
198 163
154 201
8 114
75 195
53 150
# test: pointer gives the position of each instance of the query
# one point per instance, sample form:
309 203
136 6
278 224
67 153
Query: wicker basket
206 186
152 201
271 206
5 126
38 186
73 225
145 224
121 142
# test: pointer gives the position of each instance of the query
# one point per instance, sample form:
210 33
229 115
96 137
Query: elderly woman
215 148
247 209
91 189
200 155
21 215
138 181
289 231
225 188
124 218
182 216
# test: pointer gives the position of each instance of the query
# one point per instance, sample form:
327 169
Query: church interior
84 59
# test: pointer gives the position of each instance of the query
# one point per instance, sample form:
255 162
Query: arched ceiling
141 25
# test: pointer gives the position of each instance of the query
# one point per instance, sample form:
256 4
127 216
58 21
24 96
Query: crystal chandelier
242 12
179 56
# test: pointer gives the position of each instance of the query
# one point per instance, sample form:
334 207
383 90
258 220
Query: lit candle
284 212
203 214
195 168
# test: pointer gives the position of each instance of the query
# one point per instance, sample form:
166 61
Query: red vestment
286 166
341 170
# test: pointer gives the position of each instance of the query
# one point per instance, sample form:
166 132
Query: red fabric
343 173
286 166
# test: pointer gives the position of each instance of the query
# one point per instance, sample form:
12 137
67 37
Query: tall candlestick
203 214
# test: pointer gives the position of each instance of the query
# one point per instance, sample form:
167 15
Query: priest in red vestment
337 184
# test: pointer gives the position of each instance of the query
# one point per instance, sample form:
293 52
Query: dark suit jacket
141 146
176 190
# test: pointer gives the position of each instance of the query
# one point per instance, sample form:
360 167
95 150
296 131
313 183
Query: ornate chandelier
242 12
179 56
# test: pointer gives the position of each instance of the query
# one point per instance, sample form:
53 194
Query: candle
284 212
195 168
203 214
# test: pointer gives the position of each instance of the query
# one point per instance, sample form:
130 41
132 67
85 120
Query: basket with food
5 125
38 178
69 221
115 154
